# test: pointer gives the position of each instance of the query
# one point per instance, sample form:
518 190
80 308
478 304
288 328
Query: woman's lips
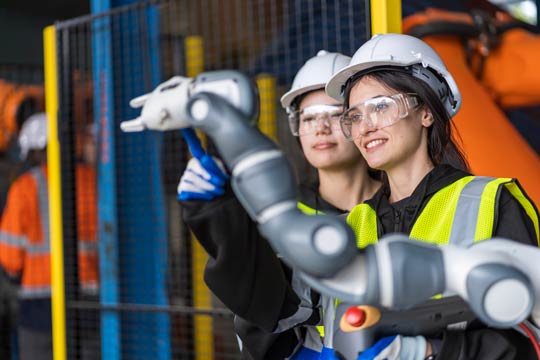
323 145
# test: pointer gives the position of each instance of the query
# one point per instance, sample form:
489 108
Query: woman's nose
364 128
323 124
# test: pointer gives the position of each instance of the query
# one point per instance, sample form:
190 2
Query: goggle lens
376 113
312 118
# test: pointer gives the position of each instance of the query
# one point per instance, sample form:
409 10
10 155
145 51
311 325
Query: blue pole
141 241
107 209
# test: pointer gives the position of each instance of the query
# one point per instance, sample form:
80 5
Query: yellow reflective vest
460 213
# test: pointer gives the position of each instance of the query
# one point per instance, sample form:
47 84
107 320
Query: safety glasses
311 118
377 113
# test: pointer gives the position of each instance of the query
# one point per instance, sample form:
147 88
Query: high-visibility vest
24 233
461 213
445 219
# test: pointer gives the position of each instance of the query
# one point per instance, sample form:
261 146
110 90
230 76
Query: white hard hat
399 50
314 74
33 134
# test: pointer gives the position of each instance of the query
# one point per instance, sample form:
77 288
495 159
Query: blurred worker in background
25 240
13 163
269 299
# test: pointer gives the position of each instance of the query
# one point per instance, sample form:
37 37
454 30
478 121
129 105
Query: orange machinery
510 78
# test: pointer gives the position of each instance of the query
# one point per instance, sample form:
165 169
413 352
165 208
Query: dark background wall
22 24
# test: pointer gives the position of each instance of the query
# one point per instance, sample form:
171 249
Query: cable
531 336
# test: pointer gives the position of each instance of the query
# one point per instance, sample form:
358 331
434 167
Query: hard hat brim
288 98
335 84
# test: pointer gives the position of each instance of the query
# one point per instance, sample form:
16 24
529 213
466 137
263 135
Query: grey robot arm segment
262 180
395 273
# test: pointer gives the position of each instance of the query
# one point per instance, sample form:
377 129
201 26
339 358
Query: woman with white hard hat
270 301
399 100
314 118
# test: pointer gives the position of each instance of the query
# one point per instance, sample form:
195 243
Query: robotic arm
222 104
396 273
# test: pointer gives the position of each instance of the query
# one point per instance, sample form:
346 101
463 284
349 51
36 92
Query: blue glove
396 347
205 176
198 152
198 183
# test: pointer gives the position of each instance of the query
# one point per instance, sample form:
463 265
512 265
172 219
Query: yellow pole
204 337
267 96
194 55
385 16
55 196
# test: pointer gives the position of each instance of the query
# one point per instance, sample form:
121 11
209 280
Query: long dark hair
442 145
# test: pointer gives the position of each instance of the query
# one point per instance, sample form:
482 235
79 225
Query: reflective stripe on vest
305 308
448 214
311 211
45 247
43 201
34 292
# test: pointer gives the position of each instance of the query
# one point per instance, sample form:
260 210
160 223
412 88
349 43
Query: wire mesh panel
133 273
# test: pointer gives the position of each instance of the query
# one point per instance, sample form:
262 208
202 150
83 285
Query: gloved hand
198 183
396 347
162 109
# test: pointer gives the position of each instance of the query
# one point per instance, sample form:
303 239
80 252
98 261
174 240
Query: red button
355 316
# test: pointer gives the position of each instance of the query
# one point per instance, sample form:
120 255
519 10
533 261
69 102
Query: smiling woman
403 99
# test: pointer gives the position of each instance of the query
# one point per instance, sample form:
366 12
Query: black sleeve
485 344
259 344
243 271
512 222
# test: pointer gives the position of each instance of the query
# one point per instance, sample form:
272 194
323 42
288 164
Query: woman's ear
427 118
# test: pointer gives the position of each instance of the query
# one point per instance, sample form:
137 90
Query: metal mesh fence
120 213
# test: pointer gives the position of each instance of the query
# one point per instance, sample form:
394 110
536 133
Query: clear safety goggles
311 118
377 113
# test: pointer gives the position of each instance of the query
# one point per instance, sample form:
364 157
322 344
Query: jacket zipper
397 220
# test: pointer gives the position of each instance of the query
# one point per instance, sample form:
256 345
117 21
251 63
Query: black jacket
243 270
245 274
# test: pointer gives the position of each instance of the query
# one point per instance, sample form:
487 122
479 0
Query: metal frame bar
385 16
55 195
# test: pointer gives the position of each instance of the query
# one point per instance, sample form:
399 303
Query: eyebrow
373 97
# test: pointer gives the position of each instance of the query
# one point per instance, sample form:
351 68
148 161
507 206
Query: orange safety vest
24 232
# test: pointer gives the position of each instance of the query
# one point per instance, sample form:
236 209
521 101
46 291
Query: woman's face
325 147
399 144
